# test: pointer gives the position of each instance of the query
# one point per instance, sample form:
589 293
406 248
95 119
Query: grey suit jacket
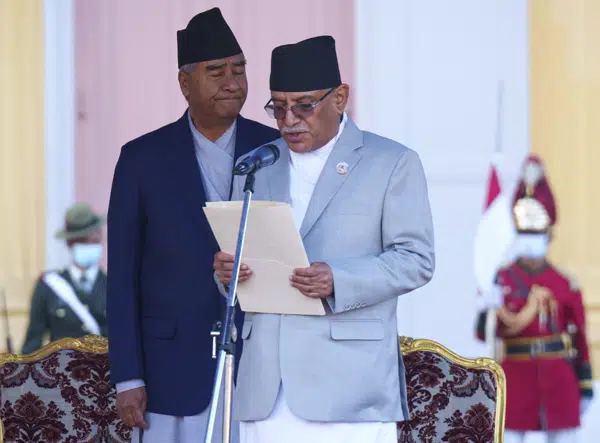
373 226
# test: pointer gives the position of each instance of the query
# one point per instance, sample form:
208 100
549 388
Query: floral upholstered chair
61 393
451 399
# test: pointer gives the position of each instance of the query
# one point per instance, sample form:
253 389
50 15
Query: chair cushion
448 402
65 397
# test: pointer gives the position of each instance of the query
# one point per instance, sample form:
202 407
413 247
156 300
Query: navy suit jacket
162 300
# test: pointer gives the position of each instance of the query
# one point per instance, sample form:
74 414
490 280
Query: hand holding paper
315 281
273 249
223 266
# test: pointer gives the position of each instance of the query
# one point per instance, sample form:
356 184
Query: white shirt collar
318 156
90 273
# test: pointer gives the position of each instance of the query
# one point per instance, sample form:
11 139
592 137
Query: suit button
87 307
60 313
84 328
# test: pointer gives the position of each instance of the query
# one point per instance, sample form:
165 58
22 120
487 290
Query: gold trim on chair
98 344
408 345
90 343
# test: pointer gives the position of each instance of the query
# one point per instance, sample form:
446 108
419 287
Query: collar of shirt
310 164
222 142
90 274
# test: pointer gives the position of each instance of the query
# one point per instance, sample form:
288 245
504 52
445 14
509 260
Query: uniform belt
535 348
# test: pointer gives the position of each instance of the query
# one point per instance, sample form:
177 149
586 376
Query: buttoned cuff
345 293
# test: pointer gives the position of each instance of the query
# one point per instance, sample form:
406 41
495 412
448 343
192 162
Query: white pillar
59 97
427 76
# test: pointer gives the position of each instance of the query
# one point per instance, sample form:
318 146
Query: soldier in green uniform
71 302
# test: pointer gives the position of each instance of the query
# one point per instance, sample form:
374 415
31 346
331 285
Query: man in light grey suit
361 205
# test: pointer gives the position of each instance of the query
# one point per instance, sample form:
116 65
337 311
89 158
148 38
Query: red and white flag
493 241
495 233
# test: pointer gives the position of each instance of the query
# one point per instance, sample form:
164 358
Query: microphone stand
226 355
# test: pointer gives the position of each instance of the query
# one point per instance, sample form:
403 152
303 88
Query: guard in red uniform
541 322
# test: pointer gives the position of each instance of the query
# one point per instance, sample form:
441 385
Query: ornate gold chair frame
96 344
91 343
408 345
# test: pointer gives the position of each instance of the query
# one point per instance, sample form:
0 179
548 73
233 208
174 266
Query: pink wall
126 67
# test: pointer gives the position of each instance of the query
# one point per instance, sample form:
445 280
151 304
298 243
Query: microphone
264 156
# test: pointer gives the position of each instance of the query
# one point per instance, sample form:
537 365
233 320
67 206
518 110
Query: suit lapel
345 151
187 166
244 143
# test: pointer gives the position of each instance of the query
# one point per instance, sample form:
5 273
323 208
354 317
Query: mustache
293 130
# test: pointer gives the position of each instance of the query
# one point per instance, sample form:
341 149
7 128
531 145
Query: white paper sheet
272 249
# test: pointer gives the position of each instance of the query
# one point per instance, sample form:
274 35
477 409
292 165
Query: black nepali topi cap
206 37
309 65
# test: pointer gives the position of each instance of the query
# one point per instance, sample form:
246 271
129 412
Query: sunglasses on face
300 110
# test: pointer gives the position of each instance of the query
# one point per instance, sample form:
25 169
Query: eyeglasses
300 110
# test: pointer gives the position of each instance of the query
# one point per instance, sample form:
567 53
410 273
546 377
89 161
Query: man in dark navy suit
162 299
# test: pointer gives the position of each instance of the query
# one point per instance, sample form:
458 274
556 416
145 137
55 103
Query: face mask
86 254
532 245
533 173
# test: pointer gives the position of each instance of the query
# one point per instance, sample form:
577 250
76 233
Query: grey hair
190 67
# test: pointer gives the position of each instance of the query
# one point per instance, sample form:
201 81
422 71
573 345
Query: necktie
84 283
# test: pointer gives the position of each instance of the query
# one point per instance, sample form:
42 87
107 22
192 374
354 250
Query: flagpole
499 118
492 313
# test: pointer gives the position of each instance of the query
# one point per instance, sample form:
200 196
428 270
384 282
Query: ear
182 77
340 97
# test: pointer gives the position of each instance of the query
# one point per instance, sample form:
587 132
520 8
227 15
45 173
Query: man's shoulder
269 137
386 146
255 133
506 268
154 138
385 151
564 277
260 128
59 271
40 281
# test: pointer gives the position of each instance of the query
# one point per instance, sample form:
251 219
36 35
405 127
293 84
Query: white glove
493 298
585 404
